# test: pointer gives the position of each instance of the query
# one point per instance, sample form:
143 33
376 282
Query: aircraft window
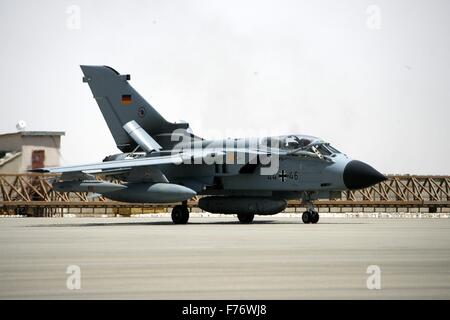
290 143
334 150
294 142
323 150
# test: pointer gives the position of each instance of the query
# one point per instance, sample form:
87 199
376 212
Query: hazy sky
371 77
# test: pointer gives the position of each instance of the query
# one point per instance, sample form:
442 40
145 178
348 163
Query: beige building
24 150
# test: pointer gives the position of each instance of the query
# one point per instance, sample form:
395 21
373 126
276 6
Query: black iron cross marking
282 175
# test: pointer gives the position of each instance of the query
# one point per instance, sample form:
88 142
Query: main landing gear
180 214
310 216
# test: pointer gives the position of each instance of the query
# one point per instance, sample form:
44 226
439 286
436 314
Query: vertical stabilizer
120 103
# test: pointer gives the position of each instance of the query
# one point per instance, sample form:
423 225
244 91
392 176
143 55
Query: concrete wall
12 166
43 141
11 142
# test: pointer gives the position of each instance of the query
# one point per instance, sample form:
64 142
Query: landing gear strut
245 218
180 214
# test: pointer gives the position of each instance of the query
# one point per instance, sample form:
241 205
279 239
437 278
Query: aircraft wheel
245 218
310 216
180 214
306 217
314 217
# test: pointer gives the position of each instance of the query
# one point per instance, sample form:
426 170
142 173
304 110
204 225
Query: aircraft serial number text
284 175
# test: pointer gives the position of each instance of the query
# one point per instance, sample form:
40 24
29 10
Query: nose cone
359 175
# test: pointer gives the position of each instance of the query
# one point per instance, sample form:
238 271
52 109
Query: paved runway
215 258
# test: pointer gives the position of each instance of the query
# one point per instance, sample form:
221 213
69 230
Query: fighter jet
164 162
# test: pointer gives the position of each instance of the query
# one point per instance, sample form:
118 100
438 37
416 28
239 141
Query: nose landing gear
310 215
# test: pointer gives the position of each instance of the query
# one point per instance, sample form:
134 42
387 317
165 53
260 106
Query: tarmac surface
218 258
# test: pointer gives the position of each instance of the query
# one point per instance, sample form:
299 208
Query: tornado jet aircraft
164 162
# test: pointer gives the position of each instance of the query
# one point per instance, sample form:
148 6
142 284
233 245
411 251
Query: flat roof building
24 150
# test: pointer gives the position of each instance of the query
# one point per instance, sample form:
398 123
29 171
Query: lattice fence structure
405 188
32 194
36 187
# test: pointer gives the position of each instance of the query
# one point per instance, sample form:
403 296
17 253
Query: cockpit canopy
300 144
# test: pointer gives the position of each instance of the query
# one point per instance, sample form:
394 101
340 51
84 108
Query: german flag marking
126 99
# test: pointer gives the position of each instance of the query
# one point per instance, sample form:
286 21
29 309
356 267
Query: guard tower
24 150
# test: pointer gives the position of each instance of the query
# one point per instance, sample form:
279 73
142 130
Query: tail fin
120 104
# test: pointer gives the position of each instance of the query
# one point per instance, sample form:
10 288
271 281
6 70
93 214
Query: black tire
245 218
314 217
306 217
180 214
